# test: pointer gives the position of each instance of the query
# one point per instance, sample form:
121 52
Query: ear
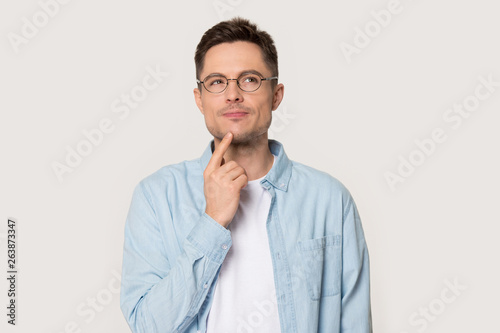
197 99
279 91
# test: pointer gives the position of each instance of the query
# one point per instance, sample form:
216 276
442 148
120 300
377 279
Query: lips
235 113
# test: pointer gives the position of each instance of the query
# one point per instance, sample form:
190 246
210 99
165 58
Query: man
243 239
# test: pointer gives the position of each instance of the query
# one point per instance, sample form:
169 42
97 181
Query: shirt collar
280 173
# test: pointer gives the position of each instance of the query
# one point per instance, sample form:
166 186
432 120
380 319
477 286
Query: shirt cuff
210 238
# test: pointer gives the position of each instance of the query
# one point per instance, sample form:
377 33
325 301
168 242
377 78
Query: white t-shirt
245 296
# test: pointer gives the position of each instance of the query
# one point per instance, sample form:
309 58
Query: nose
233 92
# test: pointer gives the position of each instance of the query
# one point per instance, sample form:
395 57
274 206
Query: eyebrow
247 71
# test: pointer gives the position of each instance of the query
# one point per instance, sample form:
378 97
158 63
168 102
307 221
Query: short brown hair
234 30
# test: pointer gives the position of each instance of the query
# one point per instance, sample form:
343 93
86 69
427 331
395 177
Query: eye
214 81
249 79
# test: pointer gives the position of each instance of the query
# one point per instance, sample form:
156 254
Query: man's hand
223 183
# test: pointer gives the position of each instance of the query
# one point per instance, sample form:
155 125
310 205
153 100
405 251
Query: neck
254 156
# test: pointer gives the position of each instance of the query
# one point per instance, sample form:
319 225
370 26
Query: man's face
231 60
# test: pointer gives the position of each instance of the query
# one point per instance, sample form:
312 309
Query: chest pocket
322 264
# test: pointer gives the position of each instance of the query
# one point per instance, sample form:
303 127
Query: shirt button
224 246
205 285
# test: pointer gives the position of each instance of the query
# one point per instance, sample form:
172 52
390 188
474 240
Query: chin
239 137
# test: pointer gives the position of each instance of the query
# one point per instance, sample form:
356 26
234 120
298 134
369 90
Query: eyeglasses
217 83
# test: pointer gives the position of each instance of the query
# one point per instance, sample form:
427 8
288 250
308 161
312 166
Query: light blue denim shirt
173 251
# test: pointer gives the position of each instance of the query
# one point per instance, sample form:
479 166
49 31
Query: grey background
349 116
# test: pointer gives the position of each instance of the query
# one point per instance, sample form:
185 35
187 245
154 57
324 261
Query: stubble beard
245 138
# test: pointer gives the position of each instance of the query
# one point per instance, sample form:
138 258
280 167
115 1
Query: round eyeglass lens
215 83
249 82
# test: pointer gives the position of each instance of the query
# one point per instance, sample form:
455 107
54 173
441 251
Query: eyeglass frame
237 81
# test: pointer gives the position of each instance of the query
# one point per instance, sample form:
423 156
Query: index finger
216 159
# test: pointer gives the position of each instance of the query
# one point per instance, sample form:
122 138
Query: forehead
233 58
